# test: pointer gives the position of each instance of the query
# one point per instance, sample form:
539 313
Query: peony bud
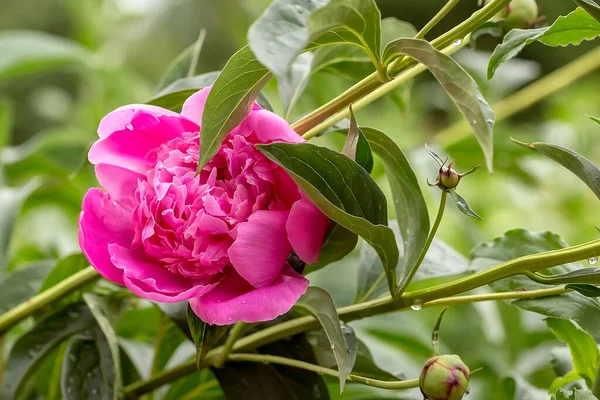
448 177
444 377
519 14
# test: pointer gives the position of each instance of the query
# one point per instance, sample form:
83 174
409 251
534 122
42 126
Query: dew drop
299 9
95 392
89 374
474 122
73 314
229 319
243 301
332 346
597 270
129 126
457 42
417 305
69 390
592 260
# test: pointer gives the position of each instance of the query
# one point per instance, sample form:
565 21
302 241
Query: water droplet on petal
129 126
243 301
592 260
457 42
229 319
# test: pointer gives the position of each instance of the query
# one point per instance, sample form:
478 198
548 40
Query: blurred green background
106 53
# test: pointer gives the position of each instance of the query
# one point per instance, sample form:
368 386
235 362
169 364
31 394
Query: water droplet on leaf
332 346
417 305
592 260
457 42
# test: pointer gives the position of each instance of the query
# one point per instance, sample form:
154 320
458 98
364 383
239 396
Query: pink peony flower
220 239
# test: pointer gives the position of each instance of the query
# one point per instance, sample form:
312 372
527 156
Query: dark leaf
571 29
576 163
338 243
457 83
586 290
230 100
319 303
411 210
344 191
357 147
22 284
205 336
30 349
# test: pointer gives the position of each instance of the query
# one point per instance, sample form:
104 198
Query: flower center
188 222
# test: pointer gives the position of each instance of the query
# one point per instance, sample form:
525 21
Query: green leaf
287 27
11 200
343 191
440 261
293 83
184 65
106 339
518 388
459 85
31 349
22 284
205 336
338 243
89 369
595 119
520 242
583 168
26 52
357 147
176 93
571 29
230 100
584 351
586 290
462 205
319 303
575 394
7 115
66 267
411 210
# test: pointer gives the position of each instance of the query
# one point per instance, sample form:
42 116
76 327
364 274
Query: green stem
160 337
269 359
372 81
238 330
436 18
434 228
47 297
307 323
528 96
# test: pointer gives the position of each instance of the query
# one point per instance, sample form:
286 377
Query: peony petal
151 281
119 183
261 247
306 227
132 146
194 105
102 222
119 118
268 127
235 300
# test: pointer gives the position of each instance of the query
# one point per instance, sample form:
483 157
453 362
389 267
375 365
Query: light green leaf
184 65
287 27
575 394
457 83
440 261
411 210
571 29
27 52
462 204
6 121
11 200
595 119
30 350
292 84
343 191
22 284
338 243
176 93
357 147
584 351
583 168
230 100
520 242
320 304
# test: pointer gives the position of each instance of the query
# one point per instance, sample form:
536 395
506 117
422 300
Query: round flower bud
444 377
519 14
448 177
